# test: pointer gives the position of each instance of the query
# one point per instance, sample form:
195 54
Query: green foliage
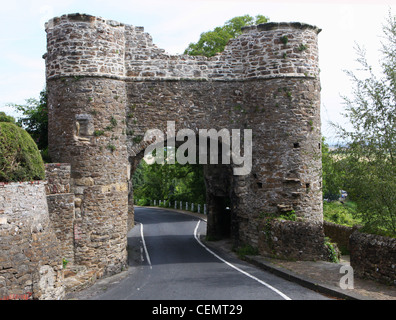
290 216
341 213
20 160
64 262
302 47
113 122
333 173
246 250
35 121
284 39
98 133
143 202
137 139
172 182
334 254
212 42
369 157
111 147
5 118
287 215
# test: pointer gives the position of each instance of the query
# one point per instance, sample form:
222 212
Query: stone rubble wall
373 257
61 206
88 131
338 233
254 54
286 138
299 240
83 44
30 255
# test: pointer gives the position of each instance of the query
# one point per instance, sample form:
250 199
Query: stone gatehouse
108 84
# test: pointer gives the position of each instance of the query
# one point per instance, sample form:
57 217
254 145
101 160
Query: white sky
173 24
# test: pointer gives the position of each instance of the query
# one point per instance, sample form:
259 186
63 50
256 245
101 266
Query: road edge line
236 268
144 245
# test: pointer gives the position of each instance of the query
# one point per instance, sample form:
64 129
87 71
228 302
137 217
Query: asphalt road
169 262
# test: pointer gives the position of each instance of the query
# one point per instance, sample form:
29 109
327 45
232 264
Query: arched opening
202 184
168 183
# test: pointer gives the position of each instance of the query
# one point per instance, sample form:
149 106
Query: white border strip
236 268
144 245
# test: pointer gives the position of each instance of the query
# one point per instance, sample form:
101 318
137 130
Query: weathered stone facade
298 240
108 84
30 255
61 207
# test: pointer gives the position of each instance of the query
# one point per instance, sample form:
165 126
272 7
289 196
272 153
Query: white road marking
144 245
238 269
141 254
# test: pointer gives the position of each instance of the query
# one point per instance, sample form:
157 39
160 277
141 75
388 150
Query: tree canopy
212 42
35 121
369 159
172 182
20 160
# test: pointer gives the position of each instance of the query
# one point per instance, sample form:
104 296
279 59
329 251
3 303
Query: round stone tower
86 101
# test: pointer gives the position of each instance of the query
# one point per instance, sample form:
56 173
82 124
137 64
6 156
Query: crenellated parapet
279 50
85 45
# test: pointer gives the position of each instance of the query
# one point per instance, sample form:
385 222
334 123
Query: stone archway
206 149
108 84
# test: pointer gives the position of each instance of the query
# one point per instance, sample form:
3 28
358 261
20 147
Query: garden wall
30 258
338 233
297 240
373 257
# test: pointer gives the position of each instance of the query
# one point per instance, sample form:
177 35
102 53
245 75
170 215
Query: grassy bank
340 213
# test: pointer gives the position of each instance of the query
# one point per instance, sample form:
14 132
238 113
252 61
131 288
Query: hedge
20 159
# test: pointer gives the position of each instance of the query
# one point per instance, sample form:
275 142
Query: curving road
169 262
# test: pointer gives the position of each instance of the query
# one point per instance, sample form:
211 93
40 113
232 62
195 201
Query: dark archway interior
222 210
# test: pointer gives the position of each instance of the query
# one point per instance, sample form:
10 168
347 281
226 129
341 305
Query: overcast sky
174 24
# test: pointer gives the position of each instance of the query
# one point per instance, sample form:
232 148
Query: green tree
371 150
5 118
169 182
35 121
332 177
20 159
212 42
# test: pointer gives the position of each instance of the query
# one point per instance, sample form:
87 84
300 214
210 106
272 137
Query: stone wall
338 233
30 256
108 84
297 240
113 49
87 129
93 46
373 257
286 163
61 206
